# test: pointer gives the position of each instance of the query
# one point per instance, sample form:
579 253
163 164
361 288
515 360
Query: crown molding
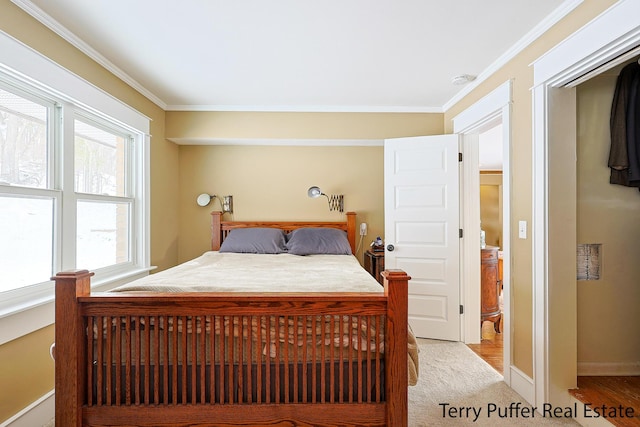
74 40
560 12
85 48
67 35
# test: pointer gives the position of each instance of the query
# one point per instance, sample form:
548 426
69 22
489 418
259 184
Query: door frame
596 47
494 107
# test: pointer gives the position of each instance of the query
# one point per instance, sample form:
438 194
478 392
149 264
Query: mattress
234 272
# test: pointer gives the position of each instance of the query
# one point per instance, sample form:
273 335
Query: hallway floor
614 392
490 347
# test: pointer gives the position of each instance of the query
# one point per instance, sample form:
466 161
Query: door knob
390 248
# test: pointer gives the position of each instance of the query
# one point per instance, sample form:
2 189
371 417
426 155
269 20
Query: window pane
103 234
26 227
23 141
99 161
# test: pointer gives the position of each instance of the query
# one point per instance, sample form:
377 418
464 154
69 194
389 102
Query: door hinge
459 157
461 309
460 232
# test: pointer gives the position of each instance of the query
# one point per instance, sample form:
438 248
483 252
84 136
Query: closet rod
606 66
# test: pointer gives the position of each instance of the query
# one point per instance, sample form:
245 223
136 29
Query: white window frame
30 308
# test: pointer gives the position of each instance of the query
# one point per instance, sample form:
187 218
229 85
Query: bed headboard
220 229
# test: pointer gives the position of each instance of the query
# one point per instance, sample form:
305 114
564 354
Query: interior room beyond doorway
490 165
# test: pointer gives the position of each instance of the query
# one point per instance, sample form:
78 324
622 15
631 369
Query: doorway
490 144
494 110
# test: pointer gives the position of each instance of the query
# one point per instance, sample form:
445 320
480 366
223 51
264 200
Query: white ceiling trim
67 35
307 109
525 41
280 141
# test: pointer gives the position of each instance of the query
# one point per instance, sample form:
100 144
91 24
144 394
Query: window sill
25 317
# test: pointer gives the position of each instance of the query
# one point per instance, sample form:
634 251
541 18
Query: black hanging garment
624 155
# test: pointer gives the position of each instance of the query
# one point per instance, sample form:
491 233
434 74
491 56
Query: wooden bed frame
96 387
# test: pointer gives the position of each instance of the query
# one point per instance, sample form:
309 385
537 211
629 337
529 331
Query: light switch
522 229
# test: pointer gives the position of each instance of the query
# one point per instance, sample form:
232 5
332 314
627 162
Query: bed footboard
205 359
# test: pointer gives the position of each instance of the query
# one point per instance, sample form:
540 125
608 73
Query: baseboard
522 384
38 413
597 369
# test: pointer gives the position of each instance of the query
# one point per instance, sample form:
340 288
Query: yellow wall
26 370
270 182
608 315
26 359
521 73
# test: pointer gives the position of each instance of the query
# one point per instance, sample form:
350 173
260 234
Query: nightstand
374 264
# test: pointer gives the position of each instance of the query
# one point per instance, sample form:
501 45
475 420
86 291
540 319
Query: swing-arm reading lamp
336 201
226 202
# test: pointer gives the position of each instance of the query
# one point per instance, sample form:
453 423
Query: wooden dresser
490 287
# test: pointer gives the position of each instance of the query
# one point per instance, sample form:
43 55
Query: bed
166 350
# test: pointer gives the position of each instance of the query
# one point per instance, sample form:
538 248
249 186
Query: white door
421 205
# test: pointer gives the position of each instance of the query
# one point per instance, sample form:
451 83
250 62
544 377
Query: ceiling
296 55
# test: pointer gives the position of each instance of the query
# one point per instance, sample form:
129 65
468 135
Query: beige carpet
450 373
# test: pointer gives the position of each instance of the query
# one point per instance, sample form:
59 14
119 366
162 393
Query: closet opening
608 371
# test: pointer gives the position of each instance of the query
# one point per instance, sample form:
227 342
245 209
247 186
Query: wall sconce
336 201
226 203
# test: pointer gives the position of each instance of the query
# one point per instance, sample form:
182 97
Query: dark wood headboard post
396 289
70 363
351 230
216 218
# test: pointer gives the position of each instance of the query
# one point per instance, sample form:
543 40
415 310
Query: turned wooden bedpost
351 230
396 288
70 363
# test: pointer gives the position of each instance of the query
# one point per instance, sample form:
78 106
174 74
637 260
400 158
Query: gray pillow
255 241
315 240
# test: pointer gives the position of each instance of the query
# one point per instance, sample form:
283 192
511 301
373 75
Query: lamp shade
204 199
314 192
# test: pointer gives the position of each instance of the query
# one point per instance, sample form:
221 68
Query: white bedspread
232 272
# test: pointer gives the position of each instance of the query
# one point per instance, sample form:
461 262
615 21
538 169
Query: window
72 192
26 196
100 178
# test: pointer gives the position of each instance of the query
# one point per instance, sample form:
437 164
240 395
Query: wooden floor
614 392
598 391
490 347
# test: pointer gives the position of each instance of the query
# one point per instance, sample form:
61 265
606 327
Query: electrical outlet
363 229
